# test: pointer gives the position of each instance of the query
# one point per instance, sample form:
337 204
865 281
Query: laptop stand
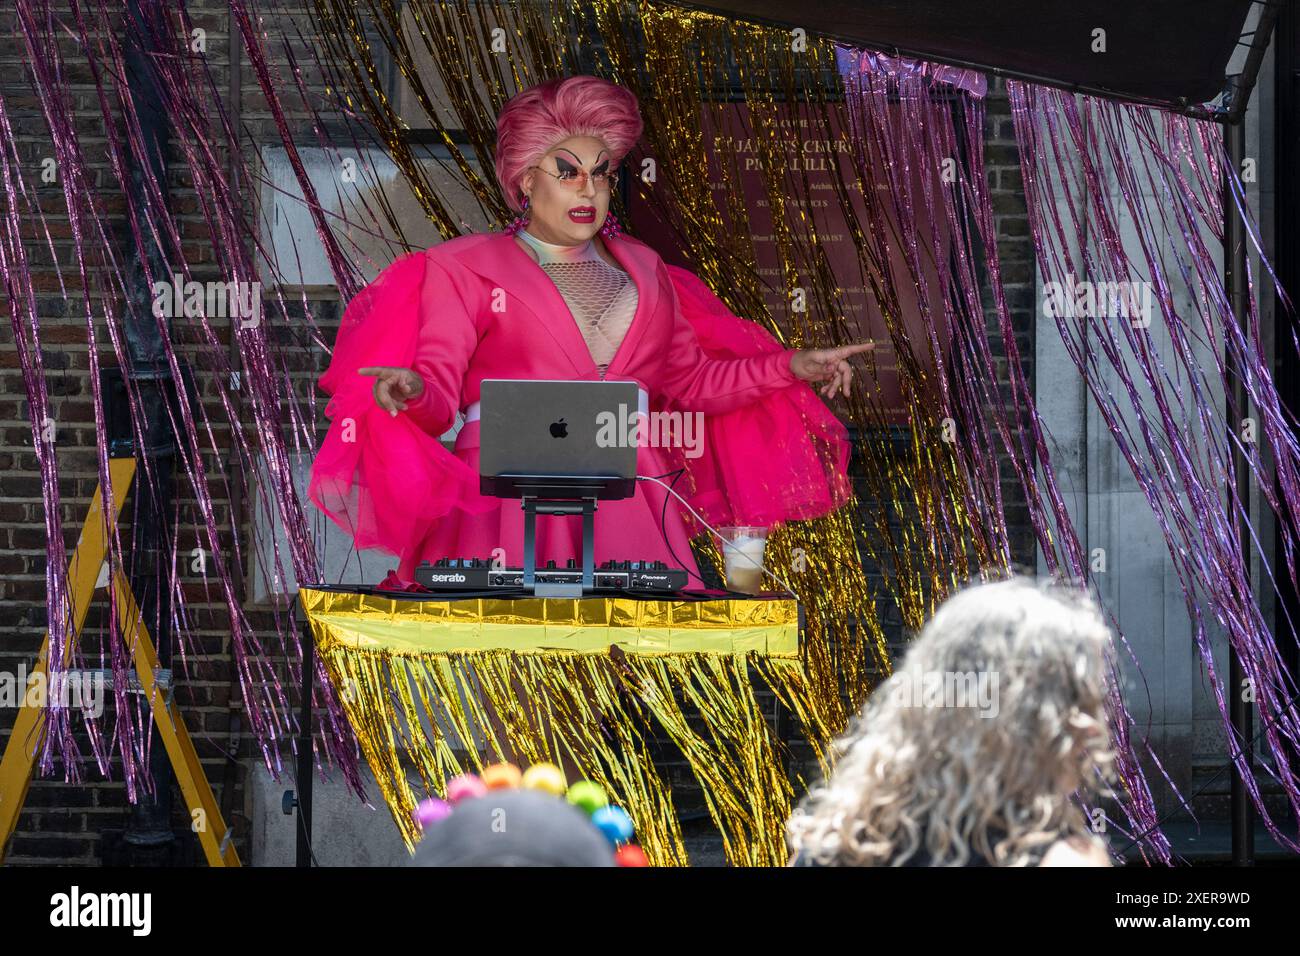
549 506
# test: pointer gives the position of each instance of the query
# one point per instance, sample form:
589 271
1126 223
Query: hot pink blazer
479 307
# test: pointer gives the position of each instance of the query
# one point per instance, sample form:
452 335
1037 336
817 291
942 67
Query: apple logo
559 429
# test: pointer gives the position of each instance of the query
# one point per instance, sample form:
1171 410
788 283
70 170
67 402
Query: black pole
1237 288
148 830
234 463
305 761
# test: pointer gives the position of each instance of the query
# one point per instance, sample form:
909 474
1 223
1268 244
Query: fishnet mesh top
601 297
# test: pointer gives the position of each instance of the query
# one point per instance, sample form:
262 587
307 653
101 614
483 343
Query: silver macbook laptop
557 438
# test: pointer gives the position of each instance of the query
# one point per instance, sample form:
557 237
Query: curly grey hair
995 779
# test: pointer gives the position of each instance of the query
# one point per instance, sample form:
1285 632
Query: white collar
554 252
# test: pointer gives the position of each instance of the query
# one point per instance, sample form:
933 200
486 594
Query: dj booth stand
673 641
735 627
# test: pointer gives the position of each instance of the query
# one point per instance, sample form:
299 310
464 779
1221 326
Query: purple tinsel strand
1203 543
189 106
902 130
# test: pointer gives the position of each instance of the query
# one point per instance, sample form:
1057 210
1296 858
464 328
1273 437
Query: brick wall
74 823
1016 264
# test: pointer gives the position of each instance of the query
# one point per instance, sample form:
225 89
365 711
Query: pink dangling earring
519 221
610 228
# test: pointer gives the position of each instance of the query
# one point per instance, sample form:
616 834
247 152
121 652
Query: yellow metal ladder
17 765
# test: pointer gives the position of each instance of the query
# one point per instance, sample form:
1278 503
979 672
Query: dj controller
478 574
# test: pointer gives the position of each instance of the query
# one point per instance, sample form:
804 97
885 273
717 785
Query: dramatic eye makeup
565 167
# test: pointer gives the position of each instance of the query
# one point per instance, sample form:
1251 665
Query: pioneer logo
448 578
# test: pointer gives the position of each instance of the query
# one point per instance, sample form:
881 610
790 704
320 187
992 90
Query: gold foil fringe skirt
436 688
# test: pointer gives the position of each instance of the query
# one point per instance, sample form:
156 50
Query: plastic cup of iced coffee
742 556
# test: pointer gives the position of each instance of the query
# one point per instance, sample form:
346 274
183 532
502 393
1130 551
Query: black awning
1165 52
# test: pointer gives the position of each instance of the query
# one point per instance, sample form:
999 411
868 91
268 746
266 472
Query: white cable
762 567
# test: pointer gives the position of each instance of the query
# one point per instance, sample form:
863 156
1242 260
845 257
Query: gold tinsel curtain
418 678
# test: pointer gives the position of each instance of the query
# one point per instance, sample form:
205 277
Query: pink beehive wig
536 119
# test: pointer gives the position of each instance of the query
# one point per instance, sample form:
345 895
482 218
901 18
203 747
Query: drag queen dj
563 294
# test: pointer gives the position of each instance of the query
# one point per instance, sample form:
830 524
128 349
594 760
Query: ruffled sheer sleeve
697 381
371 465
779 454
